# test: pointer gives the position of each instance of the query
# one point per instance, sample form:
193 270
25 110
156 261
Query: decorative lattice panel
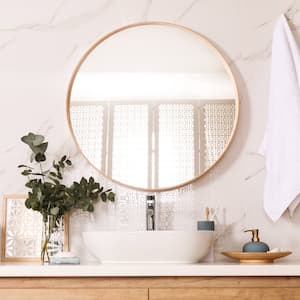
176 147
23 230
87 123
218 124
130 144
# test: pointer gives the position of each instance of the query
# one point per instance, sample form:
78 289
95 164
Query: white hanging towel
281 144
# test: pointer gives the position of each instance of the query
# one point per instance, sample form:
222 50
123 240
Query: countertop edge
150 270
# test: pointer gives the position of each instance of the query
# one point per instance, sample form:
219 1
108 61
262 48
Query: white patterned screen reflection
176 143
130 144
87 123
151 145
218 126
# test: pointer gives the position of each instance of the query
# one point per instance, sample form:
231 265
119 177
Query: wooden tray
256 257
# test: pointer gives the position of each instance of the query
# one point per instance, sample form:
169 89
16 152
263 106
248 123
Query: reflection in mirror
153 106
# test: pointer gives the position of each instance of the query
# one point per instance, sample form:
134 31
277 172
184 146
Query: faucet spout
150 212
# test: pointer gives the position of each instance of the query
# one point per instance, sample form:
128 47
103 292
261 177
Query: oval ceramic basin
149 246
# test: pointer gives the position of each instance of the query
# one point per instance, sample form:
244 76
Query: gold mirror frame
209 44
5 218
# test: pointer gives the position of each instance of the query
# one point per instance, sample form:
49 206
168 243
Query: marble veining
186 11
54 23
148 5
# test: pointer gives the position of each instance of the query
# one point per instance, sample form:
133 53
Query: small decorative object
64 258
256 251
255 245
51 197
207 224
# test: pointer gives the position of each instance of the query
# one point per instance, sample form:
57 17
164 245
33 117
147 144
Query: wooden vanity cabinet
152 288
73 294
225 294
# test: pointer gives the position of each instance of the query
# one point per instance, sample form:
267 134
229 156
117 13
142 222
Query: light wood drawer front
74 294
225 294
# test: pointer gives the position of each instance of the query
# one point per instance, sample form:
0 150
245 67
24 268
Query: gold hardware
255 237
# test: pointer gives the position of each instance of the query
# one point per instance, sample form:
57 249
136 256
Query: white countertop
144 270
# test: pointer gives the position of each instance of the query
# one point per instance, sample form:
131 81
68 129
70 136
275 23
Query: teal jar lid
206 225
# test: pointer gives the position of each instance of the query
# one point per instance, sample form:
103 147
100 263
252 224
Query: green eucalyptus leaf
54 211
111 196
54 180
68 162
25 166
103 197
38 193
26 172
32 139
60 195
90 208
39 157
38 140
29 184
28 203
75 184
94 196
69 202
83 181
39 149
42 147
35 205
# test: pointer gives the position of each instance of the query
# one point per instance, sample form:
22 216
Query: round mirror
153 106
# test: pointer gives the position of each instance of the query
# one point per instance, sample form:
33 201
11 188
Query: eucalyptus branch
47 193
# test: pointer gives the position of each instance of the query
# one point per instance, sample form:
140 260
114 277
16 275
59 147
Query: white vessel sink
149 246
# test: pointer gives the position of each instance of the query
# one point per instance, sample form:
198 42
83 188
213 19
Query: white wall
40 44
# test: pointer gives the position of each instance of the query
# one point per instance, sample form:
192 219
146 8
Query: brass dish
256 257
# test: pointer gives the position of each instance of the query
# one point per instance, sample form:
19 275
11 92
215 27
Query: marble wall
42 41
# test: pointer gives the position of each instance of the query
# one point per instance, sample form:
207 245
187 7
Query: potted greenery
49 195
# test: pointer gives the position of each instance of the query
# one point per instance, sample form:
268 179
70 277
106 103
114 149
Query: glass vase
52 237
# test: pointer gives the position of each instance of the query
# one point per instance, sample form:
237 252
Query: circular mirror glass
153 106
